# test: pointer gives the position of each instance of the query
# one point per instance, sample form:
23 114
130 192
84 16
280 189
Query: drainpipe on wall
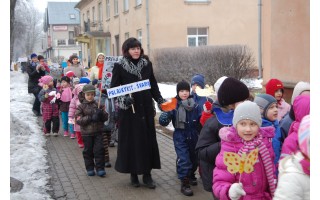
259 40
147 20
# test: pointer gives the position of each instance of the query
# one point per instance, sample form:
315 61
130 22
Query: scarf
100 66
265 156
276 140
66 94
132 68
181 115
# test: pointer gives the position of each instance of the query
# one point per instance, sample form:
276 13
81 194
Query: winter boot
185 187
107 164
66 134
134 180
147 179
101 173
91 173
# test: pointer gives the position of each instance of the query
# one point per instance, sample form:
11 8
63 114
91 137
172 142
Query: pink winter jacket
283 109
301 108
74 104
255 184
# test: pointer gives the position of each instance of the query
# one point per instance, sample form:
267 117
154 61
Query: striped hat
304 136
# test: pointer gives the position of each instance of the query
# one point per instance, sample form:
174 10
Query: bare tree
175 64
12 7
27 28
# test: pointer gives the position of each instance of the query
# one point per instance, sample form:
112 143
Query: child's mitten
236 191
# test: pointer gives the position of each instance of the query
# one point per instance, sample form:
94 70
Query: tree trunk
12 7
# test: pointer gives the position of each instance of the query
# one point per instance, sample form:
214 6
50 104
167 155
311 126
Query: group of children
74 97
240 149
245 147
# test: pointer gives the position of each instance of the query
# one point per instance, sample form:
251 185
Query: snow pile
28 161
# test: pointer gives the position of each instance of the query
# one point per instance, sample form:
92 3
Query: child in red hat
274 87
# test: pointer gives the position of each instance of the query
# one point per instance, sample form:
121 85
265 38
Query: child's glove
71 121
236 191
207 106
46 95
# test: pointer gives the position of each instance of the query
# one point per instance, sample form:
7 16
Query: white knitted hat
247 110
298 89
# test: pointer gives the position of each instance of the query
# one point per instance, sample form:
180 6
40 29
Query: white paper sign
128 88
107 70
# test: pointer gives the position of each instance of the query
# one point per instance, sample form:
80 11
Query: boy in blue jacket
185 119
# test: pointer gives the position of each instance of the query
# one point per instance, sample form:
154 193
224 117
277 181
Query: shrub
175 64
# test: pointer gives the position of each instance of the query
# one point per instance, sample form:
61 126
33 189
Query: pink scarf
265 156
66 94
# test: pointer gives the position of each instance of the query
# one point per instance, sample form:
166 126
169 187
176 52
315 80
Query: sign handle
132 105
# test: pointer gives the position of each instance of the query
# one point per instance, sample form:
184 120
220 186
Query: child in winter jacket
91 120
185 119
230 94
294 170
245 137
97 70
65 99
269 114
274 87
75 67
208 107
75 102
301 108
101 97
50 110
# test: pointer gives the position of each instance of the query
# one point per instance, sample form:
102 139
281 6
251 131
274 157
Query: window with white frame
139 35
116 10
197 36
126 35
138 2
125 5
88 15
108 9
93 14
100 12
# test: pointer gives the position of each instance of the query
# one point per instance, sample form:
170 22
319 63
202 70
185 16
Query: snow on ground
28 161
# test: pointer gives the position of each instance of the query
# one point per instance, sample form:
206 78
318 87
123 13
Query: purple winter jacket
301 108
254 184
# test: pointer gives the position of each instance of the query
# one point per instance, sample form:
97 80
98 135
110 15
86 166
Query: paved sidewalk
69 179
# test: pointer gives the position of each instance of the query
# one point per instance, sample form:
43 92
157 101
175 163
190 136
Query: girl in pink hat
50 110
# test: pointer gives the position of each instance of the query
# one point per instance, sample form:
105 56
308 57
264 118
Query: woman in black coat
138 151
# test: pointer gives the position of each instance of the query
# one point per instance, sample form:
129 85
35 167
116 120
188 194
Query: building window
61 42
88 15
125 5
100 12
100 45
116 11
72 16
197 37
139 35
138 2
108 9
126 35
93 14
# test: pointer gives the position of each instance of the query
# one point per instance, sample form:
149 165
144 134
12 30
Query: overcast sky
42 4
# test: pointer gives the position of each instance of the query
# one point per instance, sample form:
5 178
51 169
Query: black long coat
138 150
